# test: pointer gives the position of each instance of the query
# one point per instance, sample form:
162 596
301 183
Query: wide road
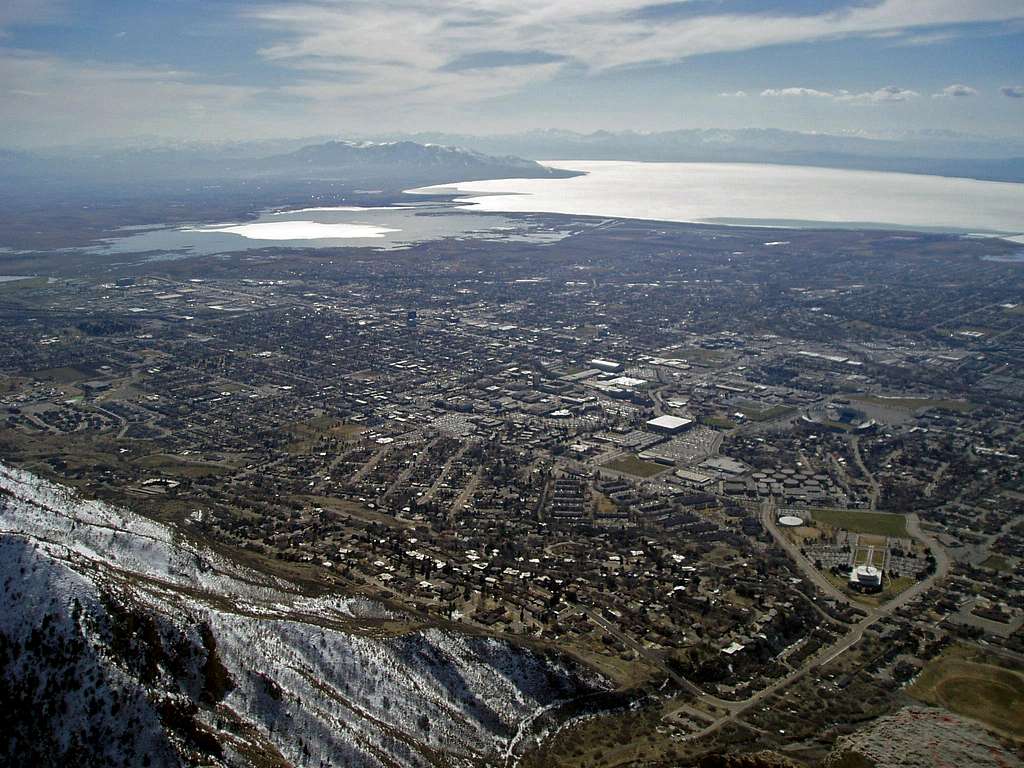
858 459
805 566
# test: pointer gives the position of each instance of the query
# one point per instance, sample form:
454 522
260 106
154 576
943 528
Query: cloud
1013 91
733 94
955 91
889 93
381 43
48 99
926 38
798 92
493 59
337 63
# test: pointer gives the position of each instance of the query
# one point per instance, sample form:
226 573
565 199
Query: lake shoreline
749 194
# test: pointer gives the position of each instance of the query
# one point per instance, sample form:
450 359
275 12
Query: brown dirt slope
921 737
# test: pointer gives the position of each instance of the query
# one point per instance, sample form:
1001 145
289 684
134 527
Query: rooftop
669 422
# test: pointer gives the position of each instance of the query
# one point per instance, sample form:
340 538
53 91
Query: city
755 484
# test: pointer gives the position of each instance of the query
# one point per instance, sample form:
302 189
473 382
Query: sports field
633 465
877 523
915 403
986 692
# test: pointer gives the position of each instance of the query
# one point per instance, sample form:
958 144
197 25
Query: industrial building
669 424
606 365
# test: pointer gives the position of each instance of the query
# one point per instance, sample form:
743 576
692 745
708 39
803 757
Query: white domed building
866 578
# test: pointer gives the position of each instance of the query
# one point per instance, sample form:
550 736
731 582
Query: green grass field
915 403
25 282
633 465
767 414
877 523
960 681
877 556
718 422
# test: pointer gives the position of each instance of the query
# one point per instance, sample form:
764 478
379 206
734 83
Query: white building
670 424
606 365
866 577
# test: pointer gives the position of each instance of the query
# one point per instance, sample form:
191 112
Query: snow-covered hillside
121 643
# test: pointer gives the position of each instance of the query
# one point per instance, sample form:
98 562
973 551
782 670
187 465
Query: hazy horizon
924 137
115 71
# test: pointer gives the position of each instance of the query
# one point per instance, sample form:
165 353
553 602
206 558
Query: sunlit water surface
756 194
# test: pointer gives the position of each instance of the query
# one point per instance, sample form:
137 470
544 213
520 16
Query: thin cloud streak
434 63
355 39
888 94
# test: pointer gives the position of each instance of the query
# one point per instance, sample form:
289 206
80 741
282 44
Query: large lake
499 210
756 194
385 227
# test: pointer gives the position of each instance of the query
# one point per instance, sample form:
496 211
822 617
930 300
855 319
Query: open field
24 282
632 465
960 681
307 434
173 466
604 504
767 414
63 375
915 403
997 563
803 533
894 586
718 422
878 523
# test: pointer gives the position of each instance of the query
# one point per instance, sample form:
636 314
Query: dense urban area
765 483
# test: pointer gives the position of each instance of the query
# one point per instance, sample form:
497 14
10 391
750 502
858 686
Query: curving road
826 655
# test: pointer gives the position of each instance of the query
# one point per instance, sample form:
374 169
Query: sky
213 70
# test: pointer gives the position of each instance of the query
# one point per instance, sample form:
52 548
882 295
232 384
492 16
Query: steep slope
122 644
52 632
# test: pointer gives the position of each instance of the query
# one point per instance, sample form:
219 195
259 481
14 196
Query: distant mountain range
403 163
400 159
931 152
397 161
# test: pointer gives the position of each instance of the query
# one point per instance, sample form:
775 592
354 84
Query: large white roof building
670 424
